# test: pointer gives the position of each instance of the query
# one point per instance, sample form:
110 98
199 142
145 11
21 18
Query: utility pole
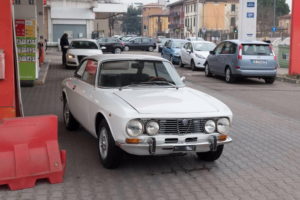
274 19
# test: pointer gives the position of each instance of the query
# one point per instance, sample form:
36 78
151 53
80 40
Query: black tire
207 71
228 75
117 50
211 155
70 122
110 155
270 80
180 63
150 48
193 66
172 60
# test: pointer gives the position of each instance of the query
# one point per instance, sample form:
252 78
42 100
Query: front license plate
259 61
185 148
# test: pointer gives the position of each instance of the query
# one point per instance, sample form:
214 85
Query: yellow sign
30 28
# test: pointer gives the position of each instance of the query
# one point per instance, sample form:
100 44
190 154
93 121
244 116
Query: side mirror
212 52
103 47
182 78
189 51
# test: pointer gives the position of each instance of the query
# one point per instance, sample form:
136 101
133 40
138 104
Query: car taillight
271 49
240 57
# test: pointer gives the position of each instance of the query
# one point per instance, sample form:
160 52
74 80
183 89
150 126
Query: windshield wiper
149 83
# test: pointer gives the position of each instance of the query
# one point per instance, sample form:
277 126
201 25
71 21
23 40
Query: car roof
183 40
199 41
89 40
120 57
246 42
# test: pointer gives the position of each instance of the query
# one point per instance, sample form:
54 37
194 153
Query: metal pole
274 18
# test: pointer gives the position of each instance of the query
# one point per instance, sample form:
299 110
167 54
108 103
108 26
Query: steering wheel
156 78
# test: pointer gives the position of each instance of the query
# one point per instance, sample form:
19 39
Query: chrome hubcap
67 113
117 50
103 142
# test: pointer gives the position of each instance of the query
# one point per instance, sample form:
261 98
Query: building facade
148 10
284 23
158 25
176 19
210 16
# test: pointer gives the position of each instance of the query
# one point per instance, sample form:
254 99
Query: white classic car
140 105
79 49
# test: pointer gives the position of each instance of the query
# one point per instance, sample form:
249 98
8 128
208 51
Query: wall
147 11
214 15
153 25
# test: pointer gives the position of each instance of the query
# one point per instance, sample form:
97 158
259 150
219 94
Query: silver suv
234 58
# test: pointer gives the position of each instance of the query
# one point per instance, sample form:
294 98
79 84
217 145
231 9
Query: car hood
85 52
202 53
169 101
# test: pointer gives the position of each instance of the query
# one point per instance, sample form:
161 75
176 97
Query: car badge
185 122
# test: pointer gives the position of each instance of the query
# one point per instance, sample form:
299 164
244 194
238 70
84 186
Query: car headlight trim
152 128
210 126
71 56
199 56
134 128
223 125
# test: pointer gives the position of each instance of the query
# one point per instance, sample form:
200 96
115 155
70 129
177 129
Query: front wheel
70 122
180 63
150 49
211 155
110 154
193 66
228 76
207 71
126 48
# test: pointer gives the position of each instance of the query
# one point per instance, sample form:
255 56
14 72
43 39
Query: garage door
73 30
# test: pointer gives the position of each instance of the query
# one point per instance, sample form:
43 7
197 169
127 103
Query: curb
43 74
287 79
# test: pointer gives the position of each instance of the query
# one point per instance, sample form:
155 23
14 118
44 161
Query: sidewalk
283 75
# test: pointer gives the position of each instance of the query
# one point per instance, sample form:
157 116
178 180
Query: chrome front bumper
155 146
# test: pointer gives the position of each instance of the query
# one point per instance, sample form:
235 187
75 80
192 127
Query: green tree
132 21
265 14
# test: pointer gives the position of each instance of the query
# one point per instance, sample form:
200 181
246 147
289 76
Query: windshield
83 45
204 46
131 72
178 44
257 50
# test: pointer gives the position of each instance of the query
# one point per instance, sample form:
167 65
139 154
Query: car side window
190 47
138 40
89 74
81 69
145 40
233 48
185 46
226 48
219 48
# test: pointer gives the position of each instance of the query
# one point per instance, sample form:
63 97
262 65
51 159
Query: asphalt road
262 163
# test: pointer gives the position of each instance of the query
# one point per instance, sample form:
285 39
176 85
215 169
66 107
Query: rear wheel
207 71
228 76
211 155
270 80
70 122
110 154
117 50
126 48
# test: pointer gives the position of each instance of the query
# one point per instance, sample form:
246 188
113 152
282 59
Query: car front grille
181 126
80 58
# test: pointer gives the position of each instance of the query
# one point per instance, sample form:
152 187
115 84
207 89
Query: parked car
194 53
195 39
140 43
79 49
172 50
161 43
112 44
140 105
234 58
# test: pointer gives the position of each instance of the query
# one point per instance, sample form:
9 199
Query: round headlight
134 128
210 126
152 128
223 125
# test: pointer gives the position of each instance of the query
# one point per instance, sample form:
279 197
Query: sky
151 1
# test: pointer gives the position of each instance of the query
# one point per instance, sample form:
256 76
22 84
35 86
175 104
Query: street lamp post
274 17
